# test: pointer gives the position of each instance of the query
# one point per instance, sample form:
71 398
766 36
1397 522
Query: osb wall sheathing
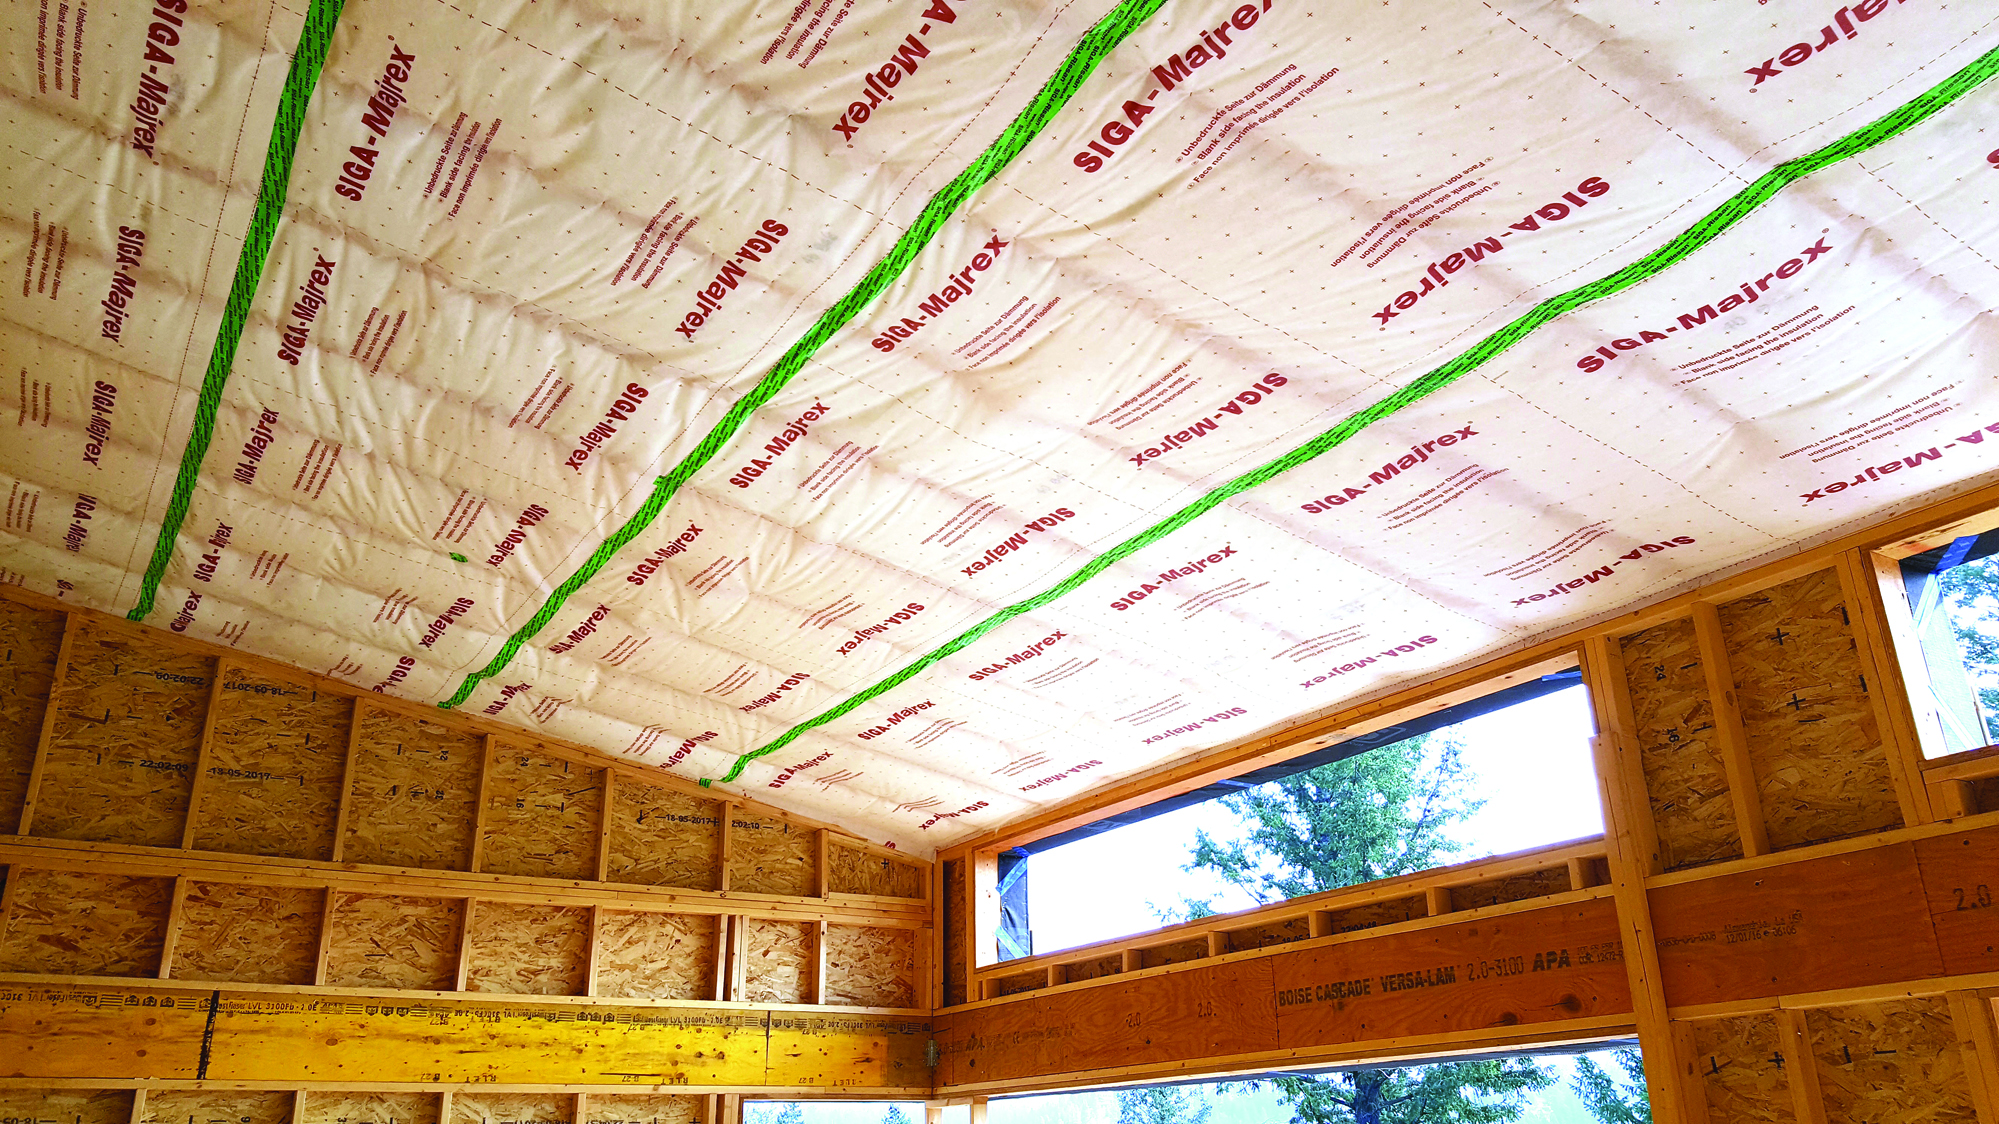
955 983
66 1106
216 1106
1895 1062
768 855
1742 1070
655 955
271 784
512 1108
73 924
779 956
528 949
1090 969
870 967
1014 985
542 815
1674 721
851 871
387 941
660 837
638 1109
29 641
1821 769
369 1108
248 934
1179 952
415 793
128 729
1263 936
1391 912
1518 888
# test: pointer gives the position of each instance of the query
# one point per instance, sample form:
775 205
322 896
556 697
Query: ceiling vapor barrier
920 413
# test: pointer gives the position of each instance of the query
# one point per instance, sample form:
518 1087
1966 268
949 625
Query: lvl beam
1906 913
1490 972
167 1033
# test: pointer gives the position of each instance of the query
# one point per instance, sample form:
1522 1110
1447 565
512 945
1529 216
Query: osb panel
512 1108
1985 794
385 941
217 1106
66 1106
369 1108
1676 746
542 815
416 790
1012 985
1263 936
617 1109
1743 1070
872 967
528 949
128 729
1090 969
769 855
655 955
850 871
248 934
1895 1062
948 915
271 785
660 837
1374 916
1821 770
29 641
778 959
1518 888
1178 952
73 924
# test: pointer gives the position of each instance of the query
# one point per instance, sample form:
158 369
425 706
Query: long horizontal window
1500 780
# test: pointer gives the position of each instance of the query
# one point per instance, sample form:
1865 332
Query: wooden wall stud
1731 744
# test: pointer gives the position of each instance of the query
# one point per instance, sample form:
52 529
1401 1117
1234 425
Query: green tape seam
1693 238
313 42
1110 31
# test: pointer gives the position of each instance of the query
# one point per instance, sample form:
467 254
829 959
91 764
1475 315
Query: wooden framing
1633 856
69 630
173 929
1860 575
201 756
1807 1099
1734 744
1933 810
1801 938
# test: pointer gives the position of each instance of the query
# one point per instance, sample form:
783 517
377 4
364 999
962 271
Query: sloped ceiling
918 412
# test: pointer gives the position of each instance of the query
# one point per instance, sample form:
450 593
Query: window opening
1504 773
1594 1084
833 1112
1953 595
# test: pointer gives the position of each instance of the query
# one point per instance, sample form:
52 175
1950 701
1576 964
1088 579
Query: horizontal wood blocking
87 921
525 891
168 1103
1528 875
1554 965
